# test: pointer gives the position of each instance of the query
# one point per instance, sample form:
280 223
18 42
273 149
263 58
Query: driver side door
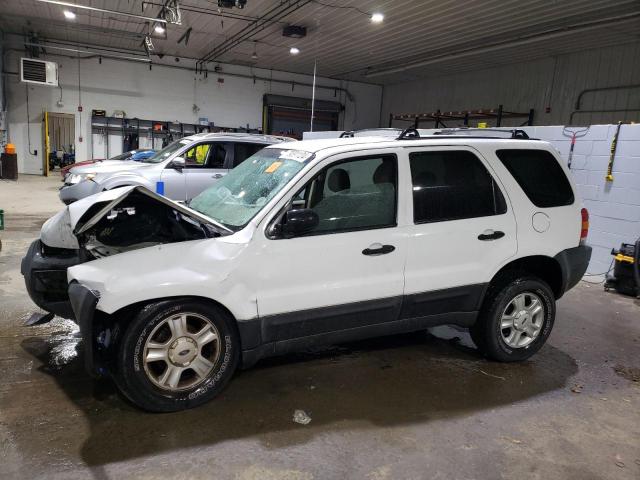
205 164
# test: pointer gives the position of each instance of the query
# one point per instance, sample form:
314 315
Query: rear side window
539 175
244 151
452 185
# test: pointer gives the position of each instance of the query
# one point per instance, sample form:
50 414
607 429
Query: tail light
584 231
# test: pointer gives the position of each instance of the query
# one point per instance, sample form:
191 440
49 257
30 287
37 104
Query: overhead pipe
92 55
204 11
274 15
103 10
602 89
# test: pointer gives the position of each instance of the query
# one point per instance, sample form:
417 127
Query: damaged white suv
311 243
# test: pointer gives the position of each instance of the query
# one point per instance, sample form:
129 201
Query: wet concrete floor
419 406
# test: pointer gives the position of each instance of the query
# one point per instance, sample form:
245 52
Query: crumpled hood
110 166
62 230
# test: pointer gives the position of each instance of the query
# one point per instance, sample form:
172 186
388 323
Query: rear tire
516 317
176 354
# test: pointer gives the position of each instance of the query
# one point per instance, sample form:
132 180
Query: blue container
160 188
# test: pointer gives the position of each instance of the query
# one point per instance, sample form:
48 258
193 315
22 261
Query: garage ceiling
416 39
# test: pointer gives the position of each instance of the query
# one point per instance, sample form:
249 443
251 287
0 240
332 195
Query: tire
157 333
510 299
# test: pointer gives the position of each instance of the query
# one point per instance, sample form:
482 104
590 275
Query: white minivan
315 242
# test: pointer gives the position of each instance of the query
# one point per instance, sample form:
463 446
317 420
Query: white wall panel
164 94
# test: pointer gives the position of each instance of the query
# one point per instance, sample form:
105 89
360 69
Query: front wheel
176 355
516 318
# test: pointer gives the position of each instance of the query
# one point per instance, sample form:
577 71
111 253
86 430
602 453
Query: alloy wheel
181 351
522 320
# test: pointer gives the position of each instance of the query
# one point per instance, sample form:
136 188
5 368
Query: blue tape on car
160 188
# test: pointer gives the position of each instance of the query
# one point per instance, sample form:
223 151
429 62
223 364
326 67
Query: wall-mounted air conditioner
39 71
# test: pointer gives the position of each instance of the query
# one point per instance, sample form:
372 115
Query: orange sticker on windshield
273 167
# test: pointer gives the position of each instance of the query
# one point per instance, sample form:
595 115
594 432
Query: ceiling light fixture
69 15
377 17
254 55
294 50
159 29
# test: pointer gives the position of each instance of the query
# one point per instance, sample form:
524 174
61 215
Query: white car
315 242
179 171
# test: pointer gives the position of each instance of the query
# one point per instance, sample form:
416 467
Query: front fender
201 268
125 179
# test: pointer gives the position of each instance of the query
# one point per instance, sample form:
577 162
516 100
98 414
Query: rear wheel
177 355
516 318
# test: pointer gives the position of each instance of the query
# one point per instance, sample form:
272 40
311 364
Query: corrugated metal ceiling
342 38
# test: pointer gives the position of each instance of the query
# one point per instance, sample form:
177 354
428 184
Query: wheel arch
542 266
118 320
127 181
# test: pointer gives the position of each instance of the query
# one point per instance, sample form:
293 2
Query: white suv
315 242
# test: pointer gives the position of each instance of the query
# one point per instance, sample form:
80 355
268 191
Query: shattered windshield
238 196
167 151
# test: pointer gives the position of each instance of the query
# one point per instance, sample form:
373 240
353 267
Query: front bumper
45 276
573 263
71 193
84 301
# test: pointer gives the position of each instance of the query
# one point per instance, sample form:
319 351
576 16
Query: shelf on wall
110 126
464 116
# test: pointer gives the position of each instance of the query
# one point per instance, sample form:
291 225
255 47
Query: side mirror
178 163
298 222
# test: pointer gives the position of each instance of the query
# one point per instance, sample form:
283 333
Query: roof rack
353 133
515 133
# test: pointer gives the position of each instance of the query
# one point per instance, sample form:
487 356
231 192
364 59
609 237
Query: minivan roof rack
515 133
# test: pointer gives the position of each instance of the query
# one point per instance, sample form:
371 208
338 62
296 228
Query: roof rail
516 133
348 134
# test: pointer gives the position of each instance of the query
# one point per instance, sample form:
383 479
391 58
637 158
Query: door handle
378 249
217 175
490 235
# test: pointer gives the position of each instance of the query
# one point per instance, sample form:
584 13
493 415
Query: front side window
238 196
539 175
452 185
352 195
196 156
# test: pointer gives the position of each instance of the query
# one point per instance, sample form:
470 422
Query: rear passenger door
205 163
463 230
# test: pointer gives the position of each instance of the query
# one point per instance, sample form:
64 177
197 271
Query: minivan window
452 185
539 175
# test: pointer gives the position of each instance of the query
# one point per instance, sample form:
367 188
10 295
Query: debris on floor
301 417
630 373
577 388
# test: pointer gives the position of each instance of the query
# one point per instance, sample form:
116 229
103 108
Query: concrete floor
410 407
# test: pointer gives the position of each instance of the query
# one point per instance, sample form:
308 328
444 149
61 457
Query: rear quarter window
539 175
